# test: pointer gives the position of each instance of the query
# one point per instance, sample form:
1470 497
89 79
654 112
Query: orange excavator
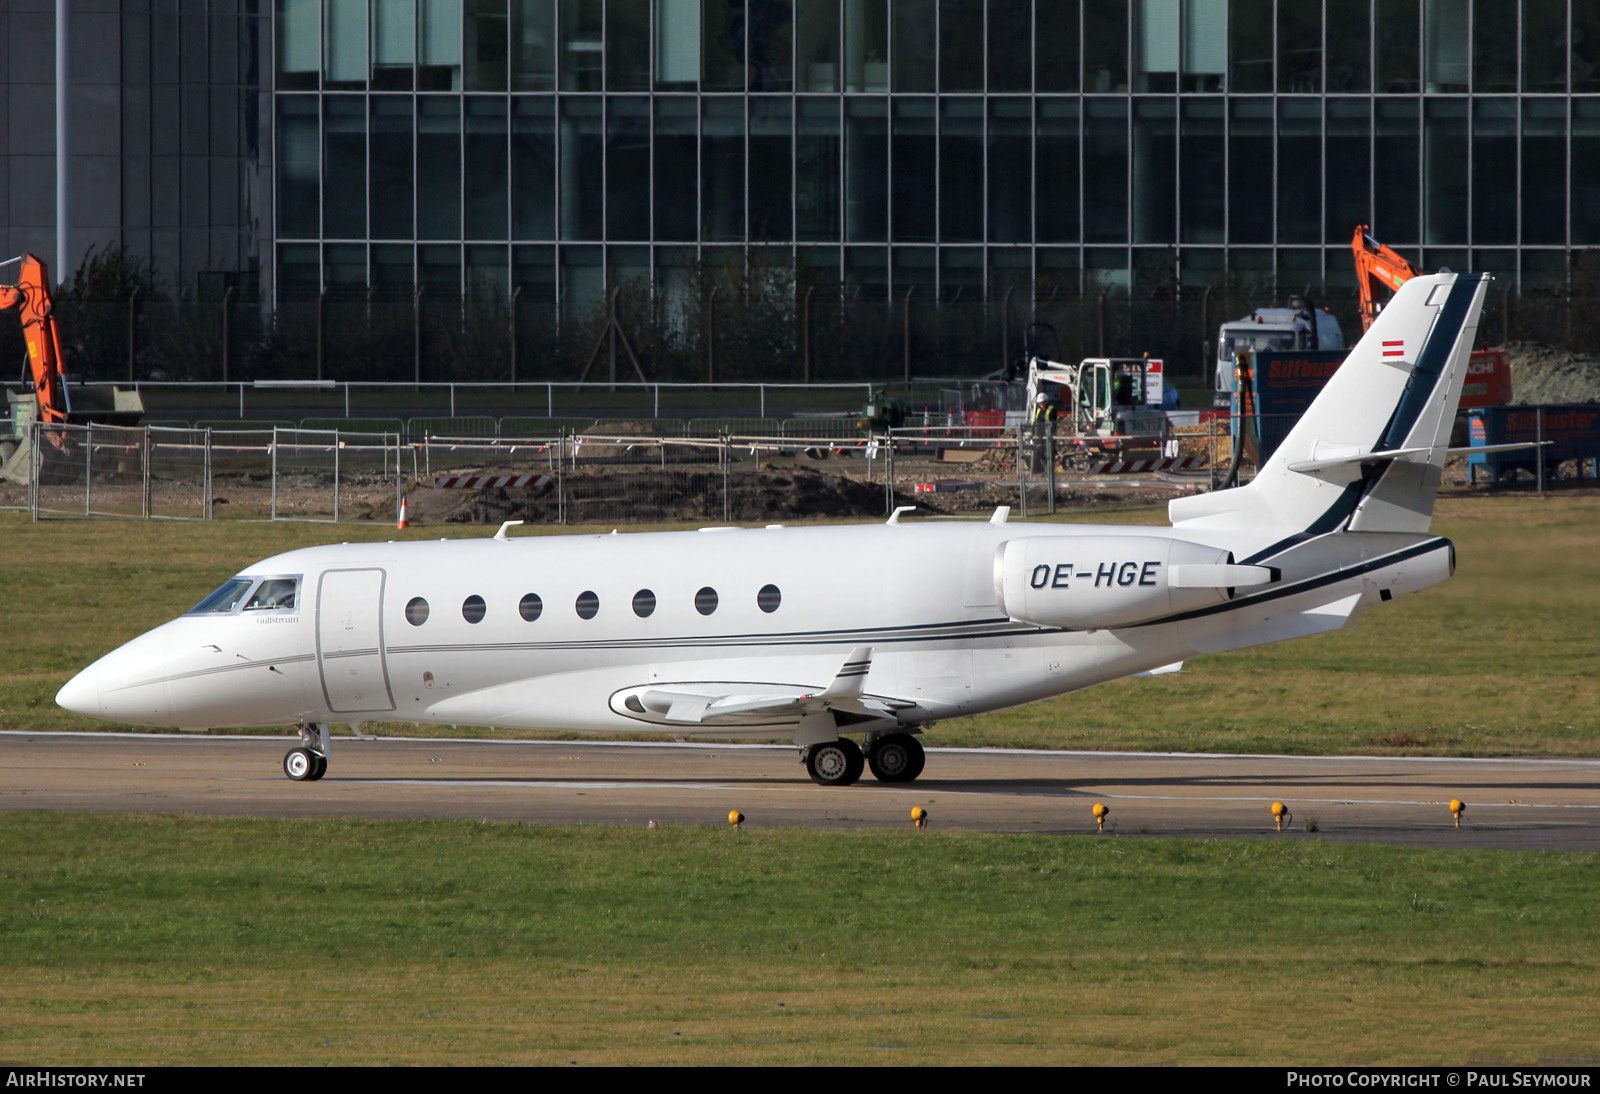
50 401
1488 380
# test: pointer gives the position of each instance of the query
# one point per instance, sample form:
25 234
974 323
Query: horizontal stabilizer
1358 458
1220 576
1164 670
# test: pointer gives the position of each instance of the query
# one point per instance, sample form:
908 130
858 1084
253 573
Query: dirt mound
1546 374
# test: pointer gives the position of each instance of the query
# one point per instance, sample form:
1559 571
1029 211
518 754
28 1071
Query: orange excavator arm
1376 264
30 295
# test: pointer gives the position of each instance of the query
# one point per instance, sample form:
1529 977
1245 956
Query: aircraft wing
702 703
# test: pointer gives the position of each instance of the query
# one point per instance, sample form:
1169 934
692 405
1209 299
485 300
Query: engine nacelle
1113 581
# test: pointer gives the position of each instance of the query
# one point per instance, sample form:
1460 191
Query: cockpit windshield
274 593
225 599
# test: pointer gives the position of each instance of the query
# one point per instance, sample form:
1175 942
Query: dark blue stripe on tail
1431 361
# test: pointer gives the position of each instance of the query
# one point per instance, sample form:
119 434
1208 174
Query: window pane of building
299 271
771 169
440 69
1444 174
769 42
488 275
1494 45
1250 46
960 171
1155 171
1348 170
1397 190
1398 55
486 44
1494 171
439 271
1544 46
439 167
817 166
1055 45
1544 171
1105 170
817 45
582 162
628 168
914 155
394 271
1349 45
866 272
1584 46
723 46
866 45
627 45
299 168
1055 168
488 174
582 59
344 40
1010 171
533 270
391 173
722 169
1250 172
1203 172
1105 46
1155 45
583 282
866 168
299 45
916 45
1585 171
394 44
677 31
1300 171
1205 44
961 49
533 45
1010 52
1444 45
677 169
344 270
1299 47
533 166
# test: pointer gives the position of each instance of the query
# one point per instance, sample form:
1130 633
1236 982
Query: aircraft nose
81 694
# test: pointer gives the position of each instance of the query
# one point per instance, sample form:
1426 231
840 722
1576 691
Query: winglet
1002 514
504 528
894 517
852 676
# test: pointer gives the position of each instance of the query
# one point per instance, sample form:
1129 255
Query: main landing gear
893 757
309 762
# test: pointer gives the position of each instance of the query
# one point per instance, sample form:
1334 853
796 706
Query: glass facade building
957 147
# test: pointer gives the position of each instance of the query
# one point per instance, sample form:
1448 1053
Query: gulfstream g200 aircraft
824 634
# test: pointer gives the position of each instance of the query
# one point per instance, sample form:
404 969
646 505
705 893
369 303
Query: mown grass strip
173 939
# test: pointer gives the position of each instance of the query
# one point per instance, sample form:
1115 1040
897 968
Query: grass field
146 940
1501 660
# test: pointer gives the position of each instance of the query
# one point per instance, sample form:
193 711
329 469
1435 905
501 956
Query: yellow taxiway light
1281 814
735 817
1457 807
919 816
1101 811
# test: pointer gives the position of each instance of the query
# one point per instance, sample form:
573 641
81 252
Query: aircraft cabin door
350 652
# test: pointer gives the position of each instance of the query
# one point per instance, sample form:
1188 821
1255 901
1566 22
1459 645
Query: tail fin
1368 453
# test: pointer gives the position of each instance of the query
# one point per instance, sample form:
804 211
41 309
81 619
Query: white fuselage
925 597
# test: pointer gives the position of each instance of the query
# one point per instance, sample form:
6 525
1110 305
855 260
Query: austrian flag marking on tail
1394 349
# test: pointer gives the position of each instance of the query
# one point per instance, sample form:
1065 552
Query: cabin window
769 598
226 598
644 603
417 611
274 594
530 607
472 609
588 605
705 601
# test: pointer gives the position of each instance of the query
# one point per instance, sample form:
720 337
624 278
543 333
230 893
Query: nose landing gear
309 762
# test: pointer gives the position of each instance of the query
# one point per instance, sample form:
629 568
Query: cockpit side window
275 594
225 599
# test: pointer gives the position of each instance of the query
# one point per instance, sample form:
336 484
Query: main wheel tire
300 764
835 763
897 758
320 769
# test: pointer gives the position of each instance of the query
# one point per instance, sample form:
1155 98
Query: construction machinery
1107 399
1488 381
50 400
1300 326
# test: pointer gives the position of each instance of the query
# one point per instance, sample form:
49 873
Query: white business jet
821 634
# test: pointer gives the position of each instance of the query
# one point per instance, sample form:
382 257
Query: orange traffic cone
402 522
